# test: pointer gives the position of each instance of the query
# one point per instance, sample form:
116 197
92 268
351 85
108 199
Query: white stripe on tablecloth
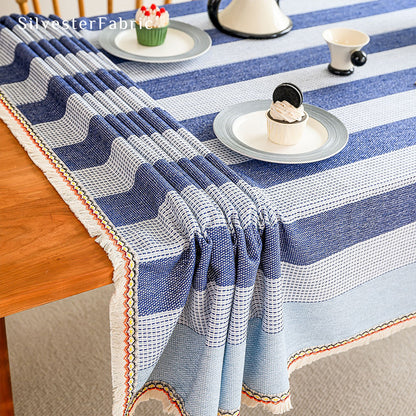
350 267
75 127
244 50
8 43
214 319
106 179
162 236
99 103
228 156
41 71
208 101
37 83
214 303
156 239
369 114
323 191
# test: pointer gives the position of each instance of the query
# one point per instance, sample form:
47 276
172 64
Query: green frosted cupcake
152 25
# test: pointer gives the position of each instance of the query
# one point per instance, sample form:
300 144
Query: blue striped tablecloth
229 272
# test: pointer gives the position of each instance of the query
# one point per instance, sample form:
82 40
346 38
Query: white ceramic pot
250 18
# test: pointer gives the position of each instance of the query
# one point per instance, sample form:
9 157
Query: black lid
288 92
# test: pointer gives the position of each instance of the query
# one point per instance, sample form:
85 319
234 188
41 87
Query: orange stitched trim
263 398
366 334
163 387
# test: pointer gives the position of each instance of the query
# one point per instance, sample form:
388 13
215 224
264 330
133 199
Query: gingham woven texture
219 239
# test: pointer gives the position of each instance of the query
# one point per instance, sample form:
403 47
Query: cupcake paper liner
151 37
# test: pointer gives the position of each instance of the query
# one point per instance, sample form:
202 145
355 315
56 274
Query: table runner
229 273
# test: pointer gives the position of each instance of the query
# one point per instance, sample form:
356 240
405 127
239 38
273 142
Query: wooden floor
45 252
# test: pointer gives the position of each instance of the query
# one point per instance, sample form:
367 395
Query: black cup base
342 72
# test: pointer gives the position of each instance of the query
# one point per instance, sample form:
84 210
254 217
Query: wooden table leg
6 399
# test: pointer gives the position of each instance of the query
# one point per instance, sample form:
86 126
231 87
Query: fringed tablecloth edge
283 404
376 333
97 228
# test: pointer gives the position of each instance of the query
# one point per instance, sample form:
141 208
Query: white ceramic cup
345 48
286 134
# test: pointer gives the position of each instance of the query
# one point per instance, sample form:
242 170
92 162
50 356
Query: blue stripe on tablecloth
328 16
370 218
99 139
7 21
311 239
269 65
101 134
361 145
174 177
346 94
362 90
201 127
354 11
18 70
168 288
53 106
141 202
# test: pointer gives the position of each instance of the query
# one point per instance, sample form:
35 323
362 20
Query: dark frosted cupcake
286 119
151 25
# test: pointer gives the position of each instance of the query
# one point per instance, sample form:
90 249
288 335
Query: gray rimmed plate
243 128
182 42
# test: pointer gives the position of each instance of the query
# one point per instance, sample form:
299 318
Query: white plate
243 128
182 42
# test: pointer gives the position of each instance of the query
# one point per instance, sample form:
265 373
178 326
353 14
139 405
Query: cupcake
151 25
286 119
